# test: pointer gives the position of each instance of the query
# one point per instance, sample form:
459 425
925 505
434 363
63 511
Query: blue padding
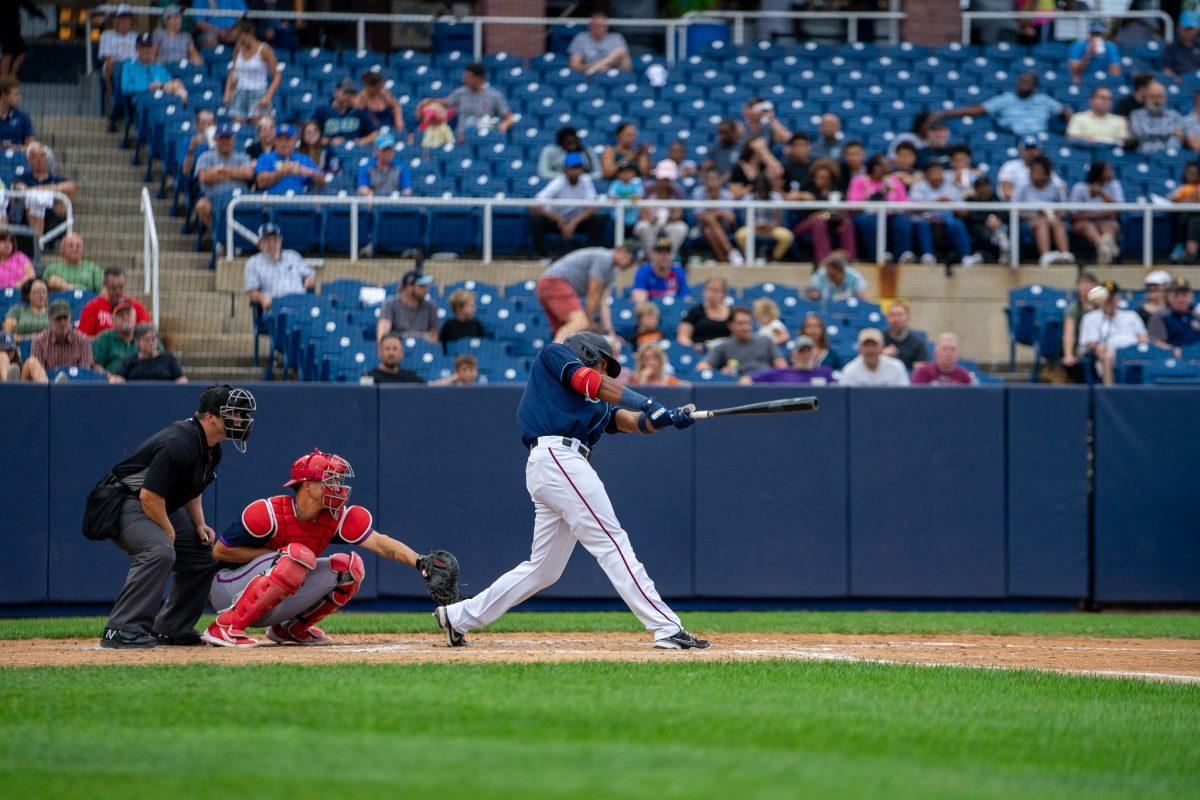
92 427
1047 491
291 422
24 494
1147 460
771 497
927 492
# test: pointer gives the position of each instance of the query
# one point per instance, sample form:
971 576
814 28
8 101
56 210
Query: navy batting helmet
589 347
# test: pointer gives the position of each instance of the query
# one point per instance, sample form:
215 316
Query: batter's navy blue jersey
552 407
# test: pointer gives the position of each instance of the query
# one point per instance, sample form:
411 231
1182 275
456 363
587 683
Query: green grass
1185 626
592 730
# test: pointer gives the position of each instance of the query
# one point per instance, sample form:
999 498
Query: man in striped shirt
61 345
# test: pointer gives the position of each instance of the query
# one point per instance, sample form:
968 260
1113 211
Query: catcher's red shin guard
350 573
266 591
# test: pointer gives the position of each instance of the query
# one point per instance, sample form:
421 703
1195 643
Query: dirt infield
1151 659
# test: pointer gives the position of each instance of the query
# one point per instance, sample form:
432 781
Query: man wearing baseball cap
340 120
383 175
221 170
117 343
144 74
1177 325
871 367
660 277
1182 56
1094 54
567 221
275 272
118 44
61 345
411 312
802 367
283 170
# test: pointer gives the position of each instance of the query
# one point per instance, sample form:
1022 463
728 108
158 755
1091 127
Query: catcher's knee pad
268 590
350 571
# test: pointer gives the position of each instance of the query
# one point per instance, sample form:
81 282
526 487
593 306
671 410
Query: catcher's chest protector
352 525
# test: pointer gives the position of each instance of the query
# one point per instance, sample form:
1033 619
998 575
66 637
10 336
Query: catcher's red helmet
333 473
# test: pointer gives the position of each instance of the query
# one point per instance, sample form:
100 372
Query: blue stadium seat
76 375
299 226
343 292
399 229
1134 362
453 229
336 237
76 298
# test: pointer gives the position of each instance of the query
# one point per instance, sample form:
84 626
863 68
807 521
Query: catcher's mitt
440 571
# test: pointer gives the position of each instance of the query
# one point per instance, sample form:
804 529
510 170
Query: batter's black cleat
453 637
186 639
681 641
126 640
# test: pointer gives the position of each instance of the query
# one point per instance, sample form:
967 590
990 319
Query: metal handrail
150 252
68 223
880 209
851 18
1055 16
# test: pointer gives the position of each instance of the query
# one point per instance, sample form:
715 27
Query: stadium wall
971 494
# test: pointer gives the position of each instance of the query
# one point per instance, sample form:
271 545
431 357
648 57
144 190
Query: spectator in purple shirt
801 369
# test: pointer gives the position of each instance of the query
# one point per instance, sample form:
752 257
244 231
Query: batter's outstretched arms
637 413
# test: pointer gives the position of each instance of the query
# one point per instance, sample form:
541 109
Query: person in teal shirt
627 186
145 75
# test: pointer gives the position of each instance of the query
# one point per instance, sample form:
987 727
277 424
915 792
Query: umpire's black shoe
186 639
453 637
121 640
681 641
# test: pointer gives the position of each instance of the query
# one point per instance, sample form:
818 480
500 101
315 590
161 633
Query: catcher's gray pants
230 583
139 607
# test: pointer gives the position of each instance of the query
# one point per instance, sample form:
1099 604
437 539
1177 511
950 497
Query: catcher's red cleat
311 636
224 636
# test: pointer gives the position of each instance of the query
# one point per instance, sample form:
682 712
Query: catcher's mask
235 406
332 471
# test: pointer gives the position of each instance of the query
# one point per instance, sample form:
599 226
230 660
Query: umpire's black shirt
176 463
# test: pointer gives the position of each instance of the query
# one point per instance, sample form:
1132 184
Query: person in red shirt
96 315
944 370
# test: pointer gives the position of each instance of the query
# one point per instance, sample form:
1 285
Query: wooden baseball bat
786 406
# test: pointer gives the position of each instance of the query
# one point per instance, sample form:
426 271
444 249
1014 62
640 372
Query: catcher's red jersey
273 524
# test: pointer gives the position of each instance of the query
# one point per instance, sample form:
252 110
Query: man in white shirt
1109 328
1098 125
275 272
117 44
573 184
871 367
1015 172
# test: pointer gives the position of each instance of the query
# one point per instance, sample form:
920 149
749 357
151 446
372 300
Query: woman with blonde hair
766 314
651 368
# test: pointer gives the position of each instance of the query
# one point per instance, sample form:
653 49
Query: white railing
68 223
748 207
150 258
852 18
969 17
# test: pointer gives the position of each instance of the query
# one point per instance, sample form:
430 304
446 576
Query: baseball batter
278 579
570 401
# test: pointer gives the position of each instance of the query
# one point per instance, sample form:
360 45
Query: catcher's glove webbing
440 571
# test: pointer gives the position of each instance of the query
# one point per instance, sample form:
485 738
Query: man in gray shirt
410 312
478 104
566 220
275 272
742 353
598 49
221 172
574 291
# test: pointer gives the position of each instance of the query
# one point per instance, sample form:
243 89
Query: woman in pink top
15 266
877 185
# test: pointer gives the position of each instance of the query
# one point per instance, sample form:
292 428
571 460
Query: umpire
161 524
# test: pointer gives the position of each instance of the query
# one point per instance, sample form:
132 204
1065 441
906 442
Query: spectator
655 223
755 159
1176 326
828 143
598 49
16 126
113 346
871 367
12 44
312 144
899 341
264 141
626 148
944 370
383 175
709 319
575 291
1015 172
917 136
962 171
144 74
341 121
118 44
275 31
1154 298
660 277
213 29
768 221
989 232
904 166
854 163
1107 329
550 160
814 328
29 317
723 153
61 345
1047 224
567 220
391 353
627 186
649 325
1098 125
150 362
1094 53
1100 228
41 204
220 172
876 185
204 127
171 44
716 222
275 272
466 372
411 312
1024 112
15 266
797 166
72 272
937 145
951 226
378 101
462 324
479 105
1071 318
818 224
1137 98
253 76
12 369
1182 56
1189 224
835 280
1191 124
1156 126
283 170
766 316
759 122
742 353
802 367
684 166
651 369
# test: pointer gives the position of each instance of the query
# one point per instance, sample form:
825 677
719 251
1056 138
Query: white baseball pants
569 504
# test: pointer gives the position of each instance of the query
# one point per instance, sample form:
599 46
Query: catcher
280 582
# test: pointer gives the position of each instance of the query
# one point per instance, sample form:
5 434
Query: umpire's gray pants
139 607
230 584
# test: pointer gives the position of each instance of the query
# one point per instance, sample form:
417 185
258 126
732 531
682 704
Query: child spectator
989 232
466 372
627 186
1100 228
648 320
962 173
1189 224
677 152
652 369
766 314
767 221
716 222
904 165
877 185
150 362
463 323
1047 224
29 318
950 225
655 223
15 266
